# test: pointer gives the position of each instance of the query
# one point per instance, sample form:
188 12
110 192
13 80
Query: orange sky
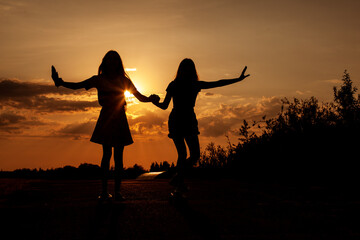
292 49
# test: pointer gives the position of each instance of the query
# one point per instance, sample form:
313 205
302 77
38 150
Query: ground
216 209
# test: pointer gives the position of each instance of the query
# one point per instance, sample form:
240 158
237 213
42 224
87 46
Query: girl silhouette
183 125
112 128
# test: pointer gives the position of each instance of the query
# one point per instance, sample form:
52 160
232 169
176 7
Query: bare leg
180 166
119 166
105 164
194 148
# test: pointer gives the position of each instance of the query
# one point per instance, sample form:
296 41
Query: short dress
112 127
182 120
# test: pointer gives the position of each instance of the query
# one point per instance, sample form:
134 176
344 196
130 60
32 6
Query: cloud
333 81
10 118
227 117
35 96
14 88
78 130
46 104
148 123
209 95
30 98
6 6
11 122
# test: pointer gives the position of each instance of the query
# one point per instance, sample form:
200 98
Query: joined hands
154 98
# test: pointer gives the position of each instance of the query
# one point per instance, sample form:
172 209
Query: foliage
162 166
347 104
133 172
305 136
214 156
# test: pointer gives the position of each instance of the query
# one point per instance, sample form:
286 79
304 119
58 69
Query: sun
129 97
128 94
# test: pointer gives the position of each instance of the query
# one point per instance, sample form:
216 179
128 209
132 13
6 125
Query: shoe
104 197
190 163
177 198
119 197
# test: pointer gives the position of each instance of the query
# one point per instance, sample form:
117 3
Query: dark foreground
216 209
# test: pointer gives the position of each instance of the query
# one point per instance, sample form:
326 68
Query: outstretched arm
165 104
59 82
223 82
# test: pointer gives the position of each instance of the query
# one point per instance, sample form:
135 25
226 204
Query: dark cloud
11 122
33 96
14 88
48 104
10 118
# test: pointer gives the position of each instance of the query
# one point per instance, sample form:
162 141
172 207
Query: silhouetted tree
133 172
162 166
348 106
213 156
89 171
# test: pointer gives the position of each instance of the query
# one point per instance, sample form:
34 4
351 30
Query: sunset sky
292 49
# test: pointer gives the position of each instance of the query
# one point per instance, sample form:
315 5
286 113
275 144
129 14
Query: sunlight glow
128 94
129 97
130 69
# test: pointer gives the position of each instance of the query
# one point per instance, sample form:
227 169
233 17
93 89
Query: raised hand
55 76
243 76
154 98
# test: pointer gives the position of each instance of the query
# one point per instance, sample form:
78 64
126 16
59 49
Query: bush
306 138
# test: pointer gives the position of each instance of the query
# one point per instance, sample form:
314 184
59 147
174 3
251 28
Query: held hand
243 76
55 76
154 98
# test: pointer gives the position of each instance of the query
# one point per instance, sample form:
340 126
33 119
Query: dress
182 120
112 127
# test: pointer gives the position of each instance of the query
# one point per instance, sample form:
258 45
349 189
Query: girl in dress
183 125
112 128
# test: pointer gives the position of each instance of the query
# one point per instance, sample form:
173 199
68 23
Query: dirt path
224 209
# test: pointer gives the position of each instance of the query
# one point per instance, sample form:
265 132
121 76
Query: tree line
84 171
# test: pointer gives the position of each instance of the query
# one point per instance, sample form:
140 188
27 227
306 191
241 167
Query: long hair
112 56
187 71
